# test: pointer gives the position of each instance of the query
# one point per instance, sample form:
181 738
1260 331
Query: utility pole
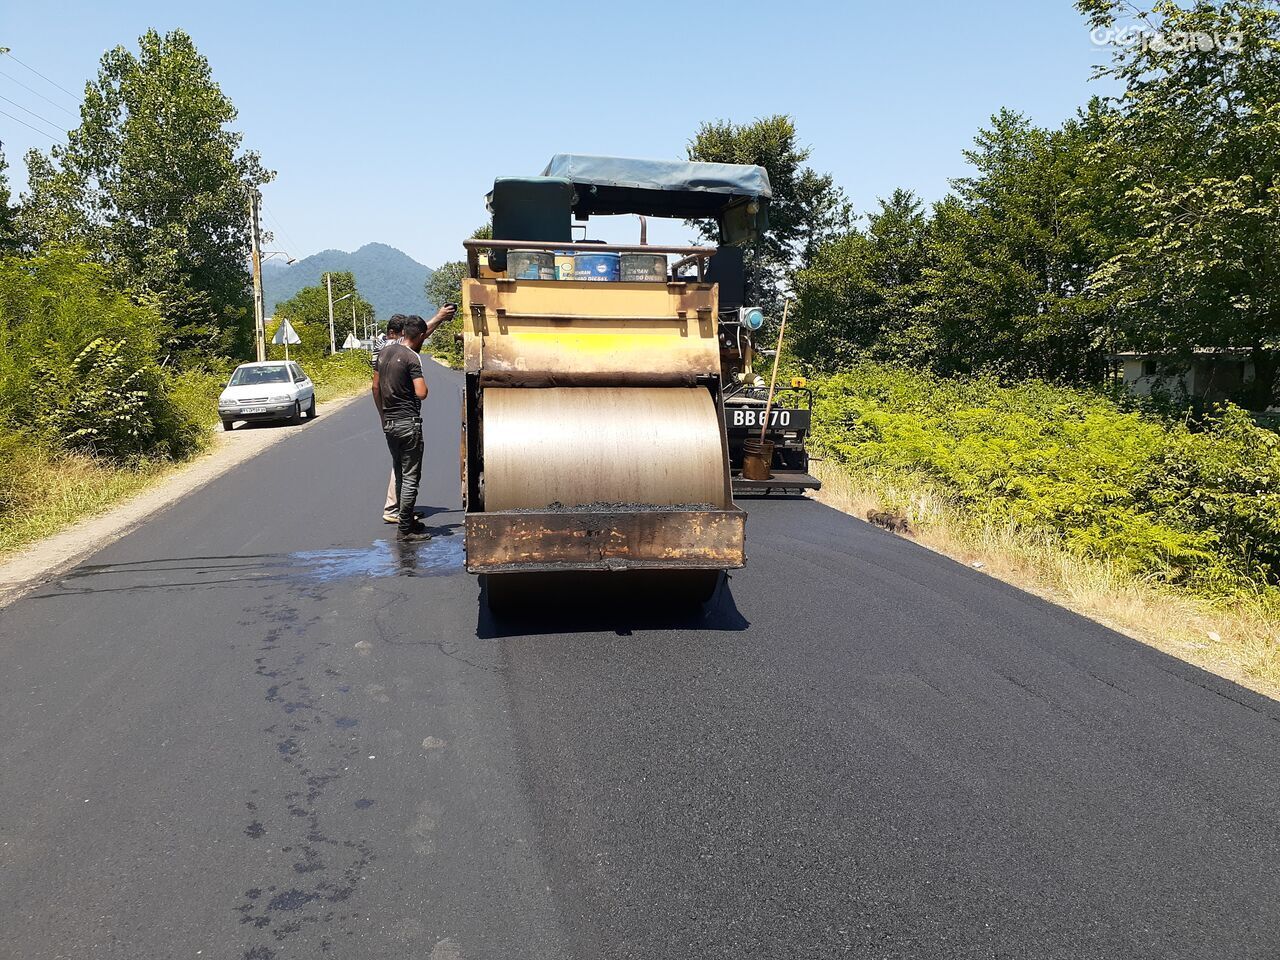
354 332
255 240
328 282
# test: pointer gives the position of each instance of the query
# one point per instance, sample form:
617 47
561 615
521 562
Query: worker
391 509
398 392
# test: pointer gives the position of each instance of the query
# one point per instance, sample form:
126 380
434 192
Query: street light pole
259 323
328 282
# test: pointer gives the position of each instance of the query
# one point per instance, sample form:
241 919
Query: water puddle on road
383 558
440 556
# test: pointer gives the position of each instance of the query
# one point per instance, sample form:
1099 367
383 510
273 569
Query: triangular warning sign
286 334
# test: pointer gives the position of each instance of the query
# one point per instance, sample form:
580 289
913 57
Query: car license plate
779 418
253 409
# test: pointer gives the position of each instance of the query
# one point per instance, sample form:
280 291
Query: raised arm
443 315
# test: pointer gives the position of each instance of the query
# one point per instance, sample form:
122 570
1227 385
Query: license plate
253 409
746 418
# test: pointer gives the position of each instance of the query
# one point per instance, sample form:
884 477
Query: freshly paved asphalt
255 729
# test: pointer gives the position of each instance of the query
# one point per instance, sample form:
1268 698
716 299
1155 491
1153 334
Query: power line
32 112
30 127
38 94
294 248
43 77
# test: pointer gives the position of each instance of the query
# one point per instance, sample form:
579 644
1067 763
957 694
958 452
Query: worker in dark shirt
391 508
398 392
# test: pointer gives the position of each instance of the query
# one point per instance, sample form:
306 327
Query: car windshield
248 376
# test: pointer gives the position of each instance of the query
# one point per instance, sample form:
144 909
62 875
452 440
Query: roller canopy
661 188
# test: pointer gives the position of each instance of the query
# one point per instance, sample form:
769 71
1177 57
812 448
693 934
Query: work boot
417 532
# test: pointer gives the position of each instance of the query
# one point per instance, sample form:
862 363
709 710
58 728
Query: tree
995 278
1195 139
806 210
1008 288
8 216
155 184
859 295
308 312
78 362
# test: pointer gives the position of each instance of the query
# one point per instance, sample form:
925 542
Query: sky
388 121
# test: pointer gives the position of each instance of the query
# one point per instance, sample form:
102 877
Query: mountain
388 278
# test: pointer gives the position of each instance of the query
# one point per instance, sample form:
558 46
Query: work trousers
404 440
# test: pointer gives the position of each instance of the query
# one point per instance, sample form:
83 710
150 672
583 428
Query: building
1211 375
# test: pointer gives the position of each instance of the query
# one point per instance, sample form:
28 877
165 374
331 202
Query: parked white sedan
271 390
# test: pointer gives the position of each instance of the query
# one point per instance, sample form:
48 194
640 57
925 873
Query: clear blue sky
388 121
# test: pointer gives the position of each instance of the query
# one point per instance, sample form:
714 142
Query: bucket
757 457
595 266
531 265
644 267
564 265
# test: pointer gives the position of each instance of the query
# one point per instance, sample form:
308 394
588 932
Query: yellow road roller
593 418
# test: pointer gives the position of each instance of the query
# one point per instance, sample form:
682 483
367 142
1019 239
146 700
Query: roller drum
577 446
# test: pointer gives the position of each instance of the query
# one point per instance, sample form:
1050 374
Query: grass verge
1236 637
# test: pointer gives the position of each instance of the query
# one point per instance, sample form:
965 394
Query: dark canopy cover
660 188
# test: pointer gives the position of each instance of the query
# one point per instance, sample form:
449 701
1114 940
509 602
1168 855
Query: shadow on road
605 603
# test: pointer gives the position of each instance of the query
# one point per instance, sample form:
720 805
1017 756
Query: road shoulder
39 562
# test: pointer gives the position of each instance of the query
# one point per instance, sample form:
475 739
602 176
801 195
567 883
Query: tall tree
859 295
1196 137
807 207
8 218
155 182
1013 250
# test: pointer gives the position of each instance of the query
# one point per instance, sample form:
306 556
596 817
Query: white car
271 390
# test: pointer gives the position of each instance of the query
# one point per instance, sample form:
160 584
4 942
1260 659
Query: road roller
593 436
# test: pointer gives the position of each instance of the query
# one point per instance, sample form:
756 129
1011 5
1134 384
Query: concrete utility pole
328 282
255 240
354 332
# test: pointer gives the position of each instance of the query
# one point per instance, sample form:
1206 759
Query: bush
1155 497
340 373
79 362
98 403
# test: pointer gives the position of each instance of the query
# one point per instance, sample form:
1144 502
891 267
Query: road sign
351 343
286 334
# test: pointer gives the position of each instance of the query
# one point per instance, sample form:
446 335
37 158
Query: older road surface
255 728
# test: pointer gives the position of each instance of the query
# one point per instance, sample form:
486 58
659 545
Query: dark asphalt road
254 729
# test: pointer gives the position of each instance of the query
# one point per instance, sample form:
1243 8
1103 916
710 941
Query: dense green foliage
1196 508
80 362
8 212
1194 143
993 279
154 185
1150 221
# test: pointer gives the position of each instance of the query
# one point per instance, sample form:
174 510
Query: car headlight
225 402
280 398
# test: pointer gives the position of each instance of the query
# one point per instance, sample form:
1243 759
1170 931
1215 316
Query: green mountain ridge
388 278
